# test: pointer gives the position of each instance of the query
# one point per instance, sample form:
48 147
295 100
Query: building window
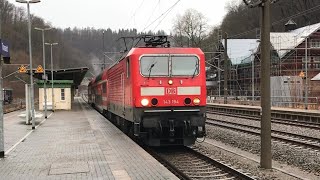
63 97
315 43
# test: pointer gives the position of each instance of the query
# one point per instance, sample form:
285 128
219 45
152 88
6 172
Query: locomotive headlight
196 101
170 82
144 102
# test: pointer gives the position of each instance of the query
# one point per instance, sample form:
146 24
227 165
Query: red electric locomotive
155 93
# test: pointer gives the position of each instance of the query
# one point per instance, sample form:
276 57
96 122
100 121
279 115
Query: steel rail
253 132
217 168
273 120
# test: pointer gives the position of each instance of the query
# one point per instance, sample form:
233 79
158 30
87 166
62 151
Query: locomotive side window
104 87
154 65
184 66
128 68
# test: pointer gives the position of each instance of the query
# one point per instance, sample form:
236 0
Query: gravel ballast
306 159
278 127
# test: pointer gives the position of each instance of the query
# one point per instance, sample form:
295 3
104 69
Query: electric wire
134 14
162 19
153 10
281 20
169 9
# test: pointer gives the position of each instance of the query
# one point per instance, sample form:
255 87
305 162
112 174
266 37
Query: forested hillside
77 47
241 21
83 47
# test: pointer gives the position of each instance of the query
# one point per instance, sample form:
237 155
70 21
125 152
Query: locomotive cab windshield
169 65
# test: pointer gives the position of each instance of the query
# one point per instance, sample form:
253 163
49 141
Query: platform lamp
30 57
44 69
52 92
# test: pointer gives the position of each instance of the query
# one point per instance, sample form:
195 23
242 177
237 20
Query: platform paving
78 144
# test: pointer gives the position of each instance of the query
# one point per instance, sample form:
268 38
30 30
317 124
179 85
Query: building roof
284 41
75 74
316 78
56 83
241 49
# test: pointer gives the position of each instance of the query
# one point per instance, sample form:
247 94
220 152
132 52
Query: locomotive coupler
171 126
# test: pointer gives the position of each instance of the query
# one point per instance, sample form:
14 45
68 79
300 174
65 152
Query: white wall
58 103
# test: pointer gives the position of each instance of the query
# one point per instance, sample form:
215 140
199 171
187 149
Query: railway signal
22 69
39 69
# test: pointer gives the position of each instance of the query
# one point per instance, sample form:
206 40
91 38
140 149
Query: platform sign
4 51
39 69
22 69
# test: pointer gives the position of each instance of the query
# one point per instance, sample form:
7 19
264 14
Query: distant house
288 54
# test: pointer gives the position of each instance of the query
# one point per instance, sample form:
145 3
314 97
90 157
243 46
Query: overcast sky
117 14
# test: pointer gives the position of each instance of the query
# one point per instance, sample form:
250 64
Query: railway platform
76 144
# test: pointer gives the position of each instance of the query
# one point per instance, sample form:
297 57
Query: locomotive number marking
171 90
172 101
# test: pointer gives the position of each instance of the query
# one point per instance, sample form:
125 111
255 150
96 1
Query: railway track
309 125
188 163
305 141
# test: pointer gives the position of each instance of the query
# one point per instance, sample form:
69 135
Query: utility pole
266 155
104 58
1 102
306 76
252 75
226 71
219 78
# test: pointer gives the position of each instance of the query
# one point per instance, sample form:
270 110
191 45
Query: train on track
155 92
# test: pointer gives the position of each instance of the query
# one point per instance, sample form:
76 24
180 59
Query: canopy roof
74 74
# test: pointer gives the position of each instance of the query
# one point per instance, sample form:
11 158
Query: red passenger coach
155 93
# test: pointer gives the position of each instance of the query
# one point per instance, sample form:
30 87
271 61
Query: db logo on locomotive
171 91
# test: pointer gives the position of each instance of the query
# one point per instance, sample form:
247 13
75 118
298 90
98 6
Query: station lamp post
30 58
44 68
52 92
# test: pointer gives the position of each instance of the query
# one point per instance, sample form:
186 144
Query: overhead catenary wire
169 9
152 12
162 19
281 20
134 14
276 22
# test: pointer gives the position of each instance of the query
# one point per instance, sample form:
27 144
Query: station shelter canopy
74 74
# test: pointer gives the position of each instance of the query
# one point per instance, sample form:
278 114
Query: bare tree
190 28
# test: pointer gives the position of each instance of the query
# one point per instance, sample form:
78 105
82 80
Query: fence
276 101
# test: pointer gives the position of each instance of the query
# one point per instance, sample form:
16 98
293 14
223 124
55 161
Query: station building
65 85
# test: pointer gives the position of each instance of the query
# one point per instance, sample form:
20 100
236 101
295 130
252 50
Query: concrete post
266 155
